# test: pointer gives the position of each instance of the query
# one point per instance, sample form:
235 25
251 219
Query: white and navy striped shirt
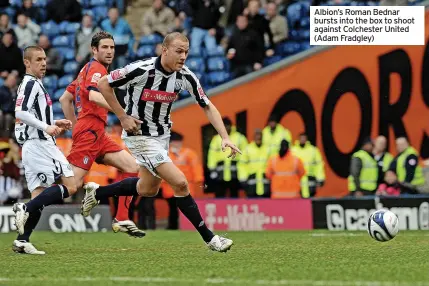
33 98
151 92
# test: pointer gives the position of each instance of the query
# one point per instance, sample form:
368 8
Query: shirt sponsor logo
158 96
117 74
96 77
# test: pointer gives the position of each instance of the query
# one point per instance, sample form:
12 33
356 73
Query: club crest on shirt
96 77
117 74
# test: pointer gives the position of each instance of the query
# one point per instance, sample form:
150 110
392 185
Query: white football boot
21 216
89 201
25 248
127 226
220 244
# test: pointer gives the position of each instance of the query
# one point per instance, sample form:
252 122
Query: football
383 225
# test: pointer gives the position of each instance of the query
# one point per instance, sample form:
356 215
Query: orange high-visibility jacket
188 162
285 174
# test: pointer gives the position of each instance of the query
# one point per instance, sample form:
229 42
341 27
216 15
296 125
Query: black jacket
249 49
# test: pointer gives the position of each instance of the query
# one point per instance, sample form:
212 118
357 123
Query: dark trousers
240 70
173 214
147 214
221 188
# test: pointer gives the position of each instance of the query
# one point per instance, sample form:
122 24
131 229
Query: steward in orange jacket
188 162
285 171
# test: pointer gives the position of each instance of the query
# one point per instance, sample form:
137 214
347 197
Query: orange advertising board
338 96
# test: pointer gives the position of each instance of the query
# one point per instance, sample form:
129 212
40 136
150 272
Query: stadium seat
70 67
304 34
88 12
71 28
16 3
146 51
201 77
194 54
297 11
294 35
290 48
305 22
150 40
218 64
184 94
100 13
50 82
271 60
61 41
62 26
58 116
67 53
57 94
65 81
218 52
56 107
196 64
94 3
50 29
218 77
40 3
111 118
305 45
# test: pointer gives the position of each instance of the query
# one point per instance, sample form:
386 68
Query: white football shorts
149 152
43 163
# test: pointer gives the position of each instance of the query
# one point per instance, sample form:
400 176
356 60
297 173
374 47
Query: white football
383 225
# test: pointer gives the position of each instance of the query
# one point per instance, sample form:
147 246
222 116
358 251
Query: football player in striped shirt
152 87
43 161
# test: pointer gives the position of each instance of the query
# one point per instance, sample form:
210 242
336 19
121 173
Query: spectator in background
278 25
258 23
54 60
390 185
406 166
6 26
233 8
11 187
363 171
223 170
83 38
206 14
245 50
30 11
274 133
158 19
7 105
285 171
188 162
11 56
27 32
252 166
313 164
383 158
124 38
64 10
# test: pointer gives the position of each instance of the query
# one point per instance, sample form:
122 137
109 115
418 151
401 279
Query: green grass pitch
256 258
